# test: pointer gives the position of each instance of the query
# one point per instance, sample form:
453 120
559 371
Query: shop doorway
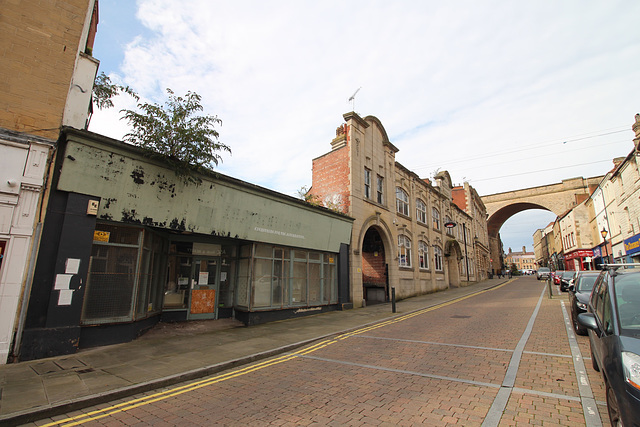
205 280
375 280
225 289
453 256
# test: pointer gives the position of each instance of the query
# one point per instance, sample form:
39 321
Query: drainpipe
466 258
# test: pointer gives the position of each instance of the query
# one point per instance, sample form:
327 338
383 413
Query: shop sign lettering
581 253
632 245
279 233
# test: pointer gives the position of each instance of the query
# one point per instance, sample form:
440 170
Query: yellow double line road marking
175 391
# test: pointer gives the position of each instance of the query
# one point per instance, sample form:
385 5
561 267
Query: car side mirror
588 320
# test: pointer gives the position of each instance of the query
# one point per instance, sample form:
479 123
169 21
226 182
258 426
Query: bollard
393 300
550 287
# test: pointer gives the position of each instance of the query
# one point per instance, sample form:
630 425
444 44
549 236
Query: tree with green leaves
304 193
514 269
174 130
104 90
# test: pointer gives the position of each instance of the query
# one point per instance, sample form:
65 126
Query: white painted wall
22 170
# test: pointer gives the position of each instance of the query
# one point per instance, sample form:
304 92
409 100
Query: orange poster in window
203 301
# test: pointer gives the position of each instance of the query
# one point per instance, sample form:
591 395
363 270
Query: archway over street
556 198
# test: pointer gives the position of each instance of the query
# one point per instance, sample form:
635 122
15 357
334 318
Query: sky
502 94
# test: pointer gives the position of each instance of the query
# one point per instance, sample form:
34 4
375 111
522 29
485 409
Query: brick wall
459 196
331 181
38 50
373 268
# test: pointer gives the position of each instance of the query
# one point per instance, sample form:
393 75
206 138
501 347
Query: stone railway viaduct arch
556 198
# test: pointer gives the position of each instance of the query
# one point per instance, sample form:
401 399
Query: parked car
613 321
566 279
543 273
579 293
556 276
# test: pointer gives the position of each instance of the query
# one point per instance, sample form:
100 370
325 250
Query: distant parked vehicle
543 273
579 293
566 279
557 275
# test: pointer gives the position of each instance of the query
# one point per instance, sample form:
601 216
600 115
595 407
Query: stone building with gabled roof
408 235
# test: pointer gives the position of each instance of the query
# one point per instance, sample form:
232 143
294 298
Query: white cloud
449 81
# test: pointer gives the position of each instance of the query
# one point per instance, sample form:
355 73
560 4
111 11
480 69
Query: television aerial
352 99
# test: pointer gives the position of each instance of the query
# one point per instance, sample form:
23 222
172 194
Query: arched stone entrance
452 256
375 271
495 222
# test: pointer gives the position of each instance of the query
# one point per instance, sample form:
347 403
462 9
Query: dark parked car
566 279
613 320
579 293
543 273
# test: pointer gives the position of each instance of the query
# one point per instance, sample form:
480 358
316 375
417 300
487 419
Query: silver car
543 273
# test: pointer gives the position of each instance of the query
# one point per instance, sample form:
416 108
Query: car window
585 283
598 295
607 318
628 300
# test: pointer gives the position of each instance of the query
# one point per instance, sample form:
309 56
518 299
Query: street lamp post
604 233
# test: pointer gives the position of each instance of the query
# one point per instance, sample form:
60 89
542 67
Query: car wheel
612 407
576 326
594 363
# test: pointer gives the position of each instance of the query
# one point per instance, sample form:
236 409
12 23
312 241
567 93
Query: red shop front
578 260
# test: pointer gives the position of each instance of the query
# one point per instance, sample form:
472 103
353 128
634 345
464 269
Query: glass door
226 288
204 288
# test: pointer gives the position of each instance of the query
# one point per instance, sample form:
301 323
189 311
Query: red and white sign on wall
580 253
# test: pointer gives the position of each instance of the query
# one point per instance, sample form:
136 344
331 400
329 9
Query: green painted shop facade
127 243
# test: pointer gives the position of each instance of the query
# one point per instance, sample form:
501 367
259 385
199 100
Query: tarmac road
503 356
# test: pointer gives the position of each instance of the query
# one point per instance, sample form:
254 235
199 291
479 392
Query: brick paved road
499 358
